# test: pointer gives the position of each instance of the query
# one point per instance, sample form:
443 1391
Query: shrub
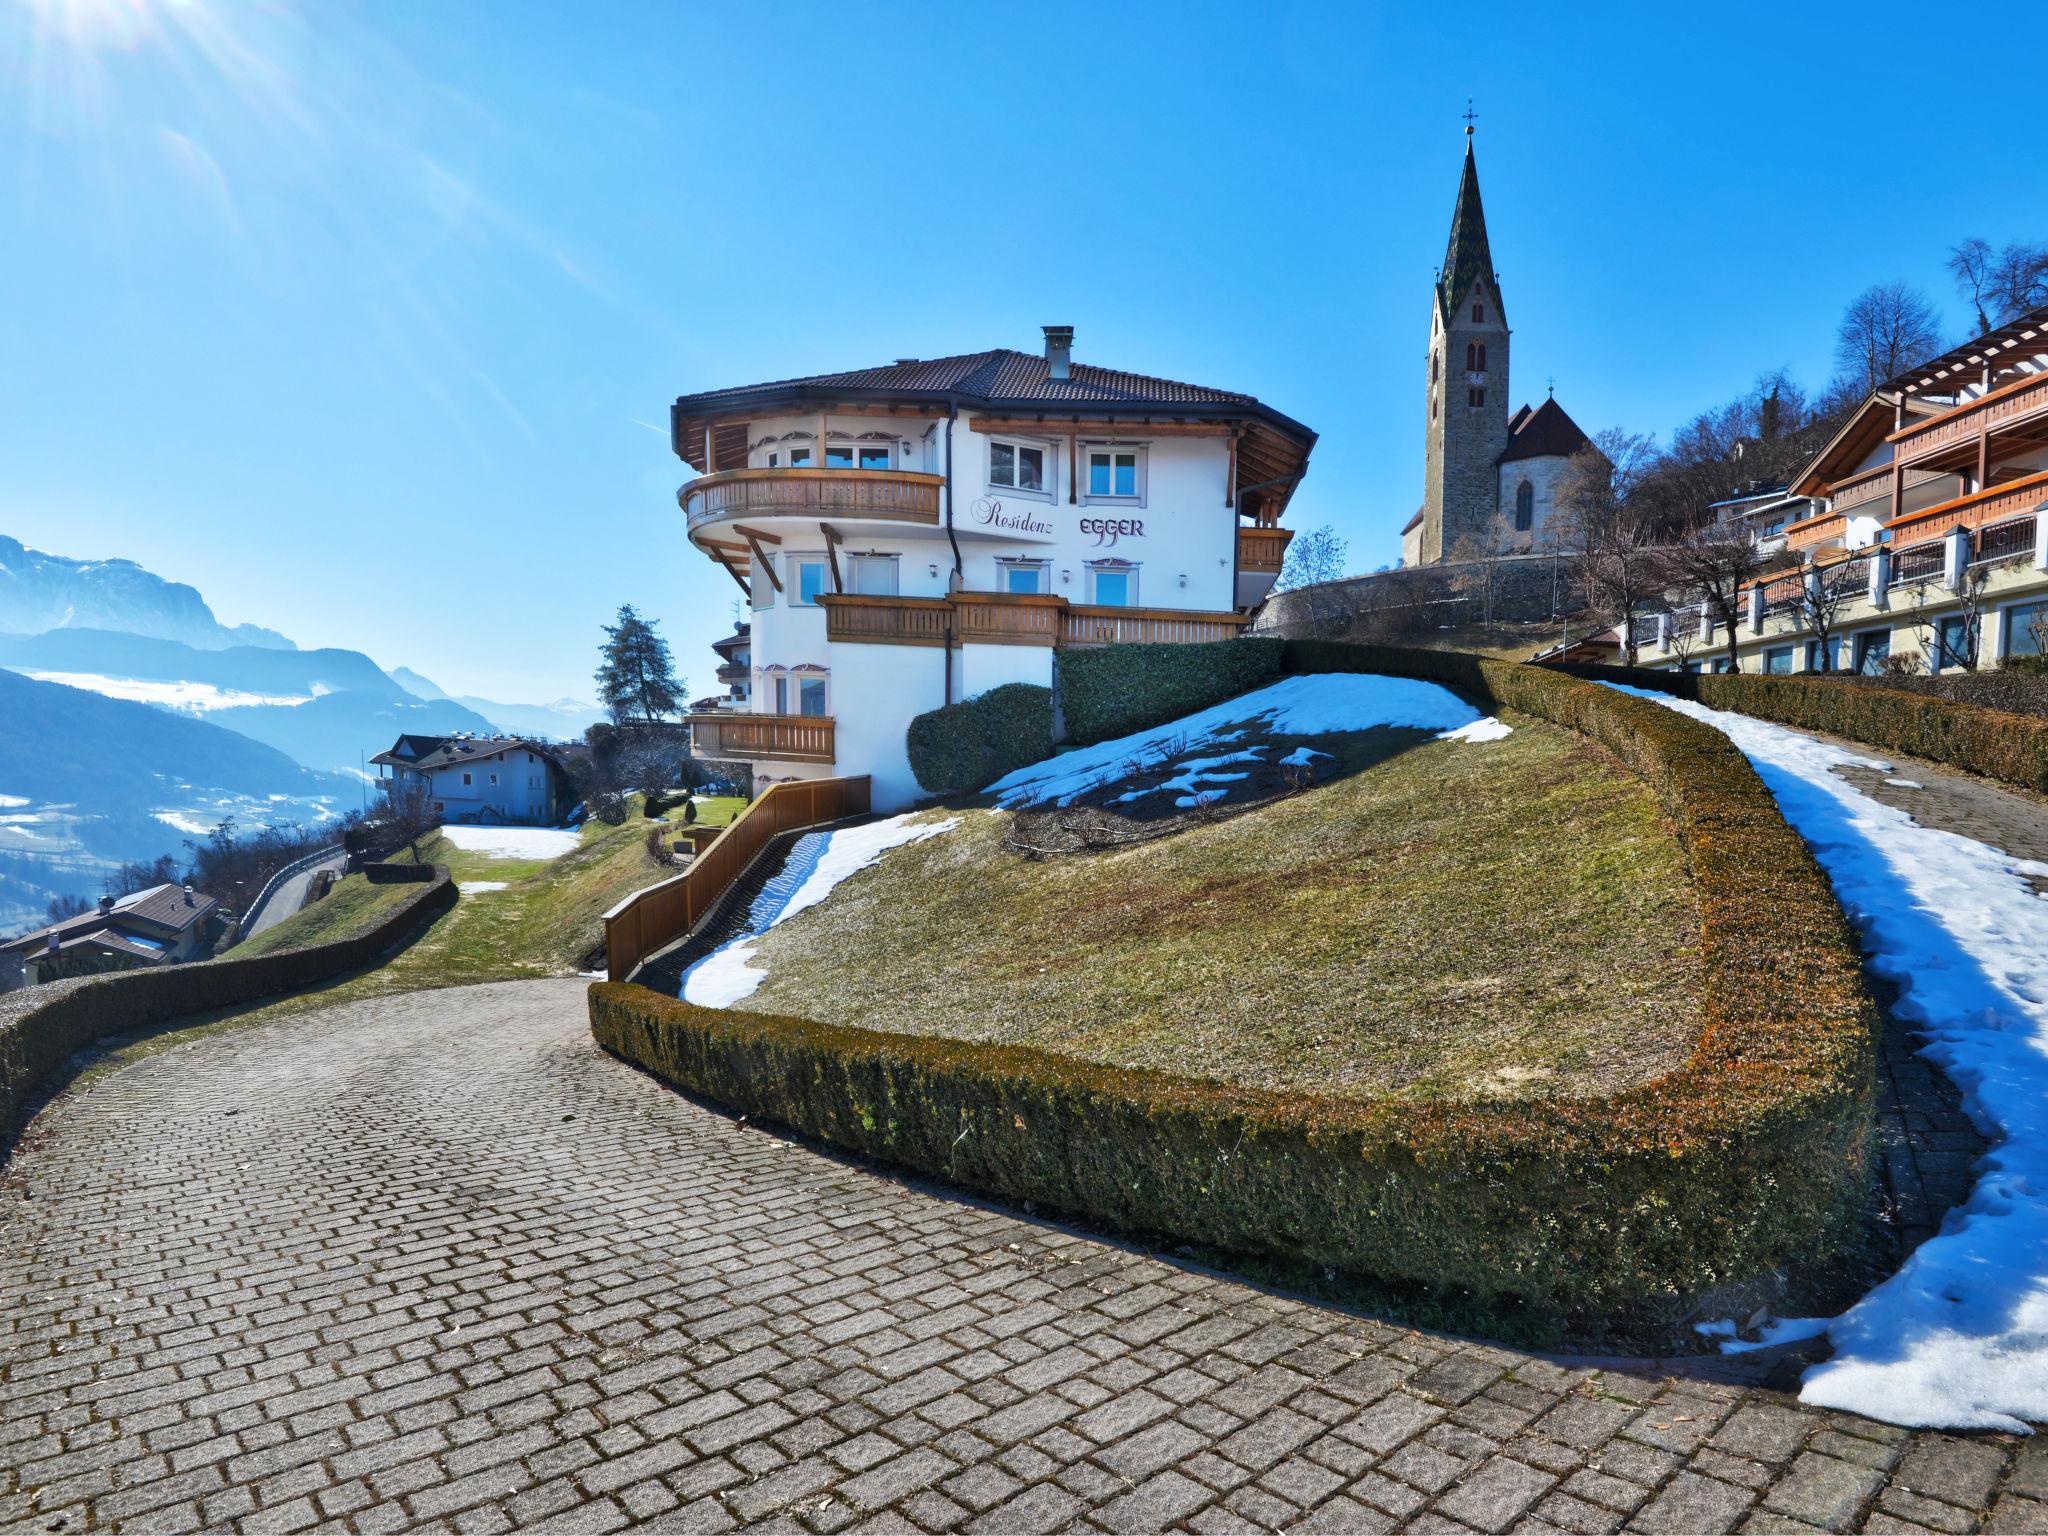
42 1026
1750 1154
1889 712
1117 689
965 747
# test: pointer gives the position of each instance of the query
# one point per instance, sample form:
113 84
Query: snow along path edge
1958 1337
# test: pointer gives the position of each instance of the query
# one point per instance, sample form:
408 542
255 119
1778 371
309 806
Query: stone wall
1410 600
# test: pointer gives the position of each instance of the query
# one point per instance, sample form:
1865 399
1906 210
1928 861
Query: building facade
1922 539
1480 461
162 925
915 534
478 778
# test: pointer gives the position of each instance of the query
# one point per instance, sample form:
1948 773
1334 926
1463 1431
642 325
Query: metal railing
652 919
1920 562
2010 539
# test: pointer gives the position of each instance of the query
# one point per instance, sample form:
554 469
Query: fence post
1955 558
2041 537
1756 609
1880 578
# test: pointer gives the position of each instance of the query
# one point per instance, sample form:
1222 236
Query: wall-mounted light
1066 576
934 569
1183 578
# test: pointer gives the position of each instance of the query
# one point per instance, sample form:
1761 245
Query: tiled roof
1544 433
997 377
159 908
444 750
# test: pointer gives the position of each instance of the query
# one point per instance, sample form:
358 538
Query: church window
1525 507
1434 359
1479 310
1475 357
1475 396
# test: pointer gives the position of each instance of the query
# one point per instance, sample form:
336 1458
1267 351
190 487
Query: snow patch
1958 1338
184 822
193 698
512 842
817 863
478 887
1301 757
1488 729
1776 1330
1316 704
1905 784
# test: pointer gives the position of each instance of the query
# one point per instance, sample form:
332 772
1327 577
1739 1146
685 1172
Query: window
494 778
1872 649
1019 466
1433 361
1479 310
1475 357
1720 664
1113 474
1819 657
782 695
809 576
874 575
1525 507
810 696
1024 575
2026 630
856 456
1955 643
1113 586
1475 397
1778 660
466 779
799 458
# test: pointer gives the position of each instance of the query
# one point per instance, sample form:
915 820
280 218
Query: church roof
1467 257
1414 522
1544 433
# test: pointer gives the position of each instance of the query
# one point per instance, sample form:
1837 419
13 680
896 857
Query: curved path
290 896
435 1260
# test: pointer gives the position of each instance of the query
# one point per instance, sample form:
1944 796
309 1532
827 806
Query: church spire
1467 257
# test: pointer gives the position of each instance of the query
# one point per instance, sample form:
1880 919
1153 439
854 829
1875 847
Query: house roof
2023 335
1414 522
733 641
1273 452
159 910
449 750
1467 256
1544 433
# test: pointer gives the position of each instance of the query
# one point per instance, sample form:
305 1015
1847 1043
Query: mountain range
40 591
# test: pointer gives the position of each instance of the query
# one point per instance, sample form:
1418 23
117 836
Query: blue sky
365 318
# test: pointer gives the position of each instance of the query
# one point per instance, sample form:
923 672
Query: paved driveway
290 895
435 1260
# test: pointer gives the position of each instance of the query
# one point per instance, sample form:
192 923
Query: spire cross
1551 382
1470 117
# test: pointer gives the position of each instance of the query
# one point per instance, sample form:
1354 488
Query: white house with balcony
917 533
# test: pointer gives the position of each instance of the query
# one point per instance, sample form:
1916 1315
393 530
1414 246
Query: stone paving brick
653 1315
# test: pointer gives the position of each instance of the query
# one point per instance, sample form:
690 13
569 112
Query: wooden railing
1813 532
1122 626
2021 400
790 738
651 919
2015 498
1262 551
886 620
1869 485
896 495
1008 618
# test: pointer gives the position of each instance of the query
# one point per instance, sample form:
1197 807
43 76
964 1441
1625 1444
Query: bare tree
2003 285
1819 605
408 813
1969 263
1718 564
1940 648
1886 329
1610 528
1683 628
1315 562
1480 566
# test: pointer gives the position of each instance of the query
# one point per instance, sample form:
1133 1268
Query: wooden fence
648 920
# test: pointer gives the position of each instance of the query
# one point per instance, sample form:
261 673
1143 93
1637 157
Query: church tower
1467 373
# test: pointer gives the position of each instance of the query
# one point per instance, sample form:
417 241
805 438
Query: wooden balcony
1815 533
1009 618
1261 550
860 620
1872 485
752 738
886 495
733 672
2023 402
1154 626
1994 504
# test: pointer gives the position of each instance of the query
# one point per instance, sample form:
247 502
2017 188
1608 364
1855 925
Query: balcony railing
733 672
2006 406
1922 562
1262 551
1014 618
885 620
891 495
781 738
2011 539
1008 618
1169 626
1859 489
1817 532
1979 509
1784 594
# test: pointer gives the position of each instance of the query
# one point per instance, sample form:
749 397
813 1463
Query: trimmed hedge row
1998 744
2018 686
1117 689
1749 1155
42 1026
960 748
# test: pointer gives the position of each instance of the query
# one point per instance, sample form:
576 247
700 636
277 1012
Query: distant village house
158 926
479 778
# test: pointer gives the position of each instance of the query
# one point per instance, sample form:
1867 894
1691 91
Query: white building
479 778
917 533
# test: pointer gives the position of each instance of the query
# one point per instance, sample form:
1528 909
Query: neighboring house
159 926
1925 526
917 533
1762 513
1480 461
479 778
735 669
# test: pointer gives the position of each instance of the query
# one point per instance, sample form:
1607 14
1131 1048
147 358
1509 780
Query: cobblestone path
434 1261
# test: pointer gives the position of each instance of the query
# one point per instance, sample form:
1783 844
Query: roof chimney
188 894
1059 351
106 905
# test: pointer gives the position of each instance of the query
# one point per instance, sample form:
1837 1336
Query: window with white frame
1113 585
810 696
1116 474
1016 465
1024 575
874 575
856 455
2026 629
809 576
789 458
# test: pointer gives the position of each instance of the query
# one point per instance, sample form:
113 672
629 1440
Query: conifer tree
636 677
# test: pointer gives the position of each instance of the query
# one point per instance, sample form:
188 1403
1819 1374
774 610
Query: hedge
2017 686
964 747
1749 1155
1998 744
41 1027
1117 689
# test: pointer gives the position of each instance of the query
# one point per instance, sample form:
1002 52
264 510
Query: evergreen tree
636 677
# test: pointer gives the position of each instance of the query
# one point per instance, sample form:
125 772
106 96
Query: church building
1481 460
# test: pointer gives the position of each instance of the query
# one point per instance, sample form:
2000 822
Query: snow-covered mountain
40 591
563 720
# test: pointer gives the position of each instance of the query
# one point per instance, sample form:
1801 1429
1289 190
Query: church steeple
1466 257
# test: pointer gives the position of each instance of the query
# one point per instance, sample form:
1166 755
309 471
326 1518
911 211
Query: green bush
1117 689
42 1026
1749 1155
965 747
1998 744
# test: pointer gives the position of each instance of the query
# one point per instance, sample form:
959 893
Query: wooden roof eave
1821 470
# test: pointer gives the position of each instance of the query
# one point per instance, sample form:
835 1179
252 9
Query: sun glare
99 25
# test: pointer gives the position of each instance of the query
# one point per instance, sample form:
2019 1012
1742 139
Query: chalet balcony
756 738
1979 509
1261 550
733 672
1155 626
2003 542
1854 493
858 620
1014 618
856 495
2018 409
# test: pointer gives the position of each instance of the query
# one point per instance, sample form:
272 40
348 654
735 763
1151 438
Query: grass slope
351 907
1509 918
